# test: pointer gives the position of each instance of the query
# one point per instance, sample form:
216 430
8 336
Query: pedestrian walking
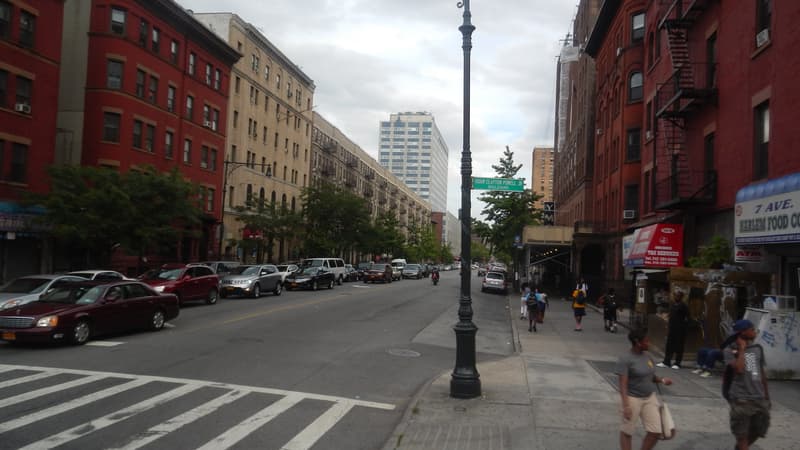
677 326
609 304
746 391
533 306
523 301
582 286
579 309
637 389
541 305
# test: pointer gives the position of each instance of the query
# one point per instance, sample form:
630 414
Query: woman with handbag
637 389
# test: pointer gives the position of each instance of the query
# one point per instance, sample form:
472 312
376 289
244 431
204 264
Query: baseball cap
741 325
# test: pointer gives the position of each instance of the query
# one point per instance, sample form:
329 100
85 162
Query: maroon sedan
378 272
75 312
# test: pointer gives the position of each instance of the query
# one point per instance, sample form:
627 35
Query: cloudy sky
370 58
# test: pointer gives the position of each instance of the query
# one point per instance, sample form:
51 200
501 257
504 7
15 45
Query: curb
396 438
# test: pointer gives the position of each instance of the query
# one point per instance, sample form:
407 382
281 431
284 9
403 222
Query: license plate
9 336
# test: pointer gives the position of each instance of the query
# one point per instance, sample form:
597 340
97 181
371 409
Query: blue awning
768 188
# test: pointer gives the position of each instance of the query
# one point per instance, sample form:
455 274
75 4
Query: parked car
482 271
350 273
189 282
100 275
28 288
378 272
412 271
251 281
335 265
221 267
77 311
397 272
425 269
494 281
287 269
362 268
311 278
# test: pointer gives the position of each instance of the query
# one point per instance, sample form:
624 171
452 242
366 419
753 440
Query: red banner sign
659 245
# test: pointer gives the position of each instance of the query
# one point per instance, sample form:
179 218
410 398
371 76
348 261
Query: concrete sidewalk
559 392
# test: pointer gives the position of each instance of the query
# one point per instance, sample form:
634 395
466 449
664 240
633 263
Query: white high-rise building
412 148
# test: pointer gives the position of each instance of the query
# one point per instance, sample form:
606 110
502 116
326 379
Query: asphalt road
331 369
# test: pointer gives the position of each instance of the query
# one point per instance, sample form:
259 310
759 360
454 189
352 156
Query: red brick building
617 45
30 55
147 85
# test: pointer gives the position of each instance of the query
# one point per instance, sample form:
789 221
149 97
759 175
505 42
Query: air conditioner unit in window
648 135
629 214
23 108
619 51
762 37
599 131
207 123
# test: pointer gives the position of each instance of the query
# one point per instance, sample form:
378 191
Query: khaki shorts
750 418
647 410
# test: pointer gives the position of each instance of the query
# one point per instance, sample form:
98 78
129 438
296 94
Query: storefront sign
659 245
748 254
769 212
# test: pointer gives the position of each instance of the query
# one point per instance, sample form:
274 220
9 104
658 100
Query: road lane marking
20 398
103 343
70 405
251 424
37 376
314 431
170 425
110 419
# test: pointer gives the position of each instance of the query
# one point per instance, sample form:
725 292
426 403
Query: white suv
335 265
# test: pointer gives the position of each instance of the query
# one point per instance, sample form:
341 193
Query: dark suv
190 282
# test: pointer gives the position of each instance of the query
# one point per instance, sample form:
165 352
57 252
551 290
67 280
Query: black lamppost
465 381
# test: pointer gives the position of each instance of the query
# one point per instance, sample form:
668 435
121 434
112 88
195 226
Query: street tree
334 219
274 223
385 236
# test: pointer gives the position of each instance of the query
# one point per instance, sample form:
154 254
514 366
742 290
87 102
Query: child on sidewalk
523 304
609 304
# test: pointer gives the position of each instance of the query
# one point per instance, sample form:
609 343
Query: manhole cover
404 352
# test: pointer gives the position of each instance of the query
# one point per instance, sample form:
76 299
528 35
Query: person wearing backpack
745 386
579 309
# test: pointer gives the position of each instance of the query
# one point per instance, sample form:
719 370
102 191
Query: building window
5 19
189 107
137 134
650 48
266 73
633 149
235 119
144 29
210 199
3 87
648 120
214 119
192 59
153 93
237 84
168 139
213 160
149 137
111 127
19 163
156 36
761 135
204 157
24 88
27 29
140 77
171 99
187 151
631 200
206 115
635 87
208 74
173 51
278 80
711 57
708 158
637 27
217 79
118 21
114 74
763 21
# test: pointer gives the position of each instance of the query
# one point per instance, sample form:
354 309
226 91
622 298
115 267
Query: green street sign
498 184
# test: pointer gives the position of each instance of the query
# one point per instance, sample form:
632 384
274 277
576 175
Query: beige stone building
542 175
337 159
268 149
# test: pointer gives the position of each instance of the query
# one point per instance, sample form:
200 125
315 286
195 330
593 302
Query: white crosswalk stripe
177 390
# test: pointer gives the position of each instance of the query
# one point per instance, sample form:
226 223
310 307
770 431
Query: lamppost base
465 387
465 381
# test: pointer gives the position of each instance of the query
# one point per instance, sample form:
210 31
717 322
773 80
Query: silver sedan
251 281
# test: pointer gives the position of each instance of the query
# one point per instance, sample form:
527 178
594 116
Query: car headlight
159 288
49 321
10 304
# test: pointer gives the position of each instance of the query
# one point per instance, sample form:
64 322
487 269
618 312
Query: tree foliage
713 255
94 210
274 223
334 218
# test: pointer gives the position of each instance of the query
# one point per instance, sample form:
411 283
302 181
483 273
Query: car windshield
312 263
310 270
413 266
26 285
163 274
364 265
76 294
282 268
378 267
494 276
244 270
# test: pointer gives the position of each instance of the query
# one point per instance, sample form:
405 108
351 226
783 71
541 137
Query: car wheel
256 290
339 281
314 285
212 297
278 288
157 321
81 332
330 285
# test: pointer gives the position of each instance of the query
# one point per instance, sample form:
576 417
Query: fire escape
690 86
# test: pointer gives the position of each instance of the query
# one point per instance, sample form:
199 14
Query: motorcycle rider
435 275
